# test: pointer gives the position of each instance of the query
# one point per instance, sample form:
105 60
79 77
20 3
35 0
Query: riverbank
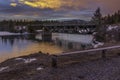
38 67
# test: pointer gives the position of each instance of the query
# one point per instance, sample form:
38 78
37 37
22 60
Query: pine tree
109 19
119 16
116 18
97 17
98 21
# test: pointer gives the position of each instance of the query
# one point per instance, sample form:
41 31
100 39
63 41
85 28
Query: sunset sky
55 9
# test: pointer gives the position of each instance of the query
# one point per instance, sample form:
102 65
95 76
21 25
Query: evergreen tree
97 17
118 15
115 17
98 20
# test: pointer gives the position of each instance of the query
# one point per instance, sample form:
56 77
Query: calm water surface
14 46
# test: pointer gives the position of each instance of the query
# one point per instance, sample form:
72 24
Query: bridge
66 27
70 28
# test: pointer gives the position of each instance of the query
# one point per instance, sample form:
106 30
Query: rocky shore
38 67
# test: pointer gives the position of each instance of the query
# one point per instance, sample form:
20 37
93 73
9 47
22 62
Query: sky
55 9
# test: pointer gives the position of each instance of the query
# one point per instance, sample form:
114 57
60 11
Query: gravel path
101 69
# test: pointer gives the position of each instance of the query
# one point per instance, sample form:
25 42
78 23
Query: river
14 46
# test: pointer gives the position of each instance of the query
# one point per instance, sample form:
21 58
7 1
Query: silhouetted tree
97 18
118 15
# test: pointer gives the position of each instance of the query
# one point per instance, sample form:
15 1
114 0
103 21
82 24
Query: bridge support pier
46 36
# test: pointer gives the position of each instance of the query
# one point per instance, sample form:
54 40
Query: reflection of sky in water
85 39
14 47
5 46
17 46
8 46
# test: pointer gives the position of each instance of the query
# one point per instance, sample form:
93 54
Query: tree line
98 19
101 23
112 19
25 22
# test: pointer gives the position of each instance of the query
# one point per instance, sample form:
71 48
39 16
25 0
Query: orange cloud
107 6
52 4
13 4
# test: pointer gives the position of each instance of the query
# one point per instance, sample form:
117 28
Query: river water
14 46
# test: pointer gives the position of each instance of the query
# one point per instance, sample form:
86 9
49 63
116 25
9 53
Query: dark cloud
39 9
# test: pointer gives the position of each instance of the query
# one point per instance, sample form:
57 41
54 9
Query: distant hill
74 21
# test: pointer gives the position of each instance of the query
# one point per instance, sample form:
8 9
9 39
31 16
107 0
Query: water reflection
14 46
72 46
72 42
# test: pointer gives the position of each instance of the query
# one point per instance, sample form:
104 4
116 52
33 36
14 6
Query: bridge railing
85 55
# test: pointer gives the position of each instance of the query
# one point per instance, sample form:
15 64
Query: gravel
101 69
